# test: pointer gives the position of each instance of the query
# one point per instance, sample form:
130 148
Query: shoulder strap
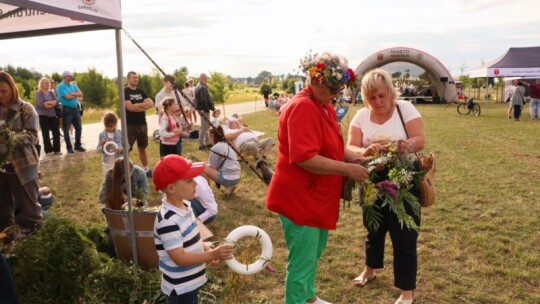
402 121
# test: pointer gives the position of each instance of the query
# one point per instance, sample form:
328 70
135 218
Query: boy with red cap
182 254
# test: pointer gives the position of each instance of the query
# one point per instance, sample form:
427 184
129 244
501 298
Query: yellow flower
313 71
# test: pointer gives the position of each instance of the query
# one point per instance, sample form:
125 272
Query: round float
266 254
109 148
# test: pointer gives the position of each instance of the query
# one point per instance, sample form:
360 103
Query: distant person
204 203
168 92
68 94
170 132
110 134
517 99
136 103
113 191
266 95
534 111
19 177
215 118
182 254
358 99
204 104
189 90
46 102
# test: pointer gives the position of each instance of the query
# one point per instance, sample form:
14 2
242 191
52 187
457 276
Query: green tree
181 75
94 87
275 82
265 87
263 76
218 85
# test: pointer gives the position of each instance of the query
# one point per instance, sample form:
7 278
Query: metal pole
125 152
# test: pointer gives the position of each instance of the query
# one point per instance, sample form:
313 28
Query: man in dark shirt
204 104
136 103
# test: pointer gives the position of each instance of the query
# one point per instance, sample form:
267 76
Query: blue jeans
535 108
72 116
198 209
8 295
191 297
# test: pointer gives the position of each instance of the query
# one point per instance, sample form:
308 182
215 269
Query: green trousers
306 245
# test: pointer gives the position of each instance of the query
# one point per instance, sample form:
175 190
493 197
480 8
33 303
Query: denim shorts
226 182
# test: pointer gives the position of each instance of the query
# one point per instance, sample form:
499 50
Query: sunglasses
335 91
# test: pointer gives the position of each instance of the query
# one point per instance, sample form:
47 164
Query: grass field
478 244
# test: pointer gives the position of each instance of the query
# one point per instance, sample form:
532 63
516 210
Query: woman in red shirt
306 186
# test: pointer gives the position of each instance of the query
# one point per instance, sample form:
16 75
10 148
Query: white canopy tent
27 18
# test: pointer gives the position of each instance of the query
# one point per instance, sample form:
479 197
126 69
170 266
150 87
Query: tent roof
26 18
523 61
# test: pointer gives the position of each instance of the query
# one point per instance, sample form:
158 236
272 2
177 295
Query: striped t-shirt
176 228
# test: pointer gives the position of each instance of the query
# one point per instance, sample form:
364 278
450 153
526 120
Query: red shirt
535 91
306 129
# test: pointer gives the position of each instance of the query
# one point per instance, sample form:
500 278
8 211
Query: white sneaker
319 301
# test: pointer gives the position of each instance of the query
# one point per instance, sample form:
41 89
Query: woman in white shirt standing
372 129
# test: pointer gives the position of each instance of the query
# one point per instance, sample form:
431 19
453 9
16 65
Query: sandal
360 281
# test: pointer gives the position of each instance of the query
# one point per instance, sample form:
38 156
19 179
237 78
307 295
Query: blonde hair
373 81
42 80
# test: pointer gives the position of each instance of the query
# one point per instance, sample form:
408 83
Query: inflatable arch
442 78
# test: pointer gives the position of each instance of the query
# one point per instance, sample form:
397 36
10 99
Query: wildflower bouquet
325 73
8 140
393 188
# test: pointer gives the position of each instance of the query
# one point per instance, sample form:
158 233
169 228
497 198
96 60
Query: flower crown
322 73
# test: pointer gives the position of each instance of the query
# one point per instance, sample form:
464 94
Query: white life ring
109 148
266 253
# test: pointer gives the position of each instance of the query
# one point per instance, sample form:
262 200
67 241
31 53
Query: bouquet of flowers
394 189
8 140
333 76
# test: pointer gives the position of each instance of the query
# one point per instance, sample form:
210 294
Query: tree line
102 92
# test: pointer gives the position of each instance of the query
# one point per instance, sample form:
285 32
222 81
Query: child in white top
215 117
110 134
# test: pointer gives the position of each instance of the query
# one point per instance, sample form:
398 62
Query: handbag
427 166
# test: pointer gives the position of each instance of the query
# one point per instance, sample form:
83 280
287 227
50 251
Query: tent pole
487 93
125 152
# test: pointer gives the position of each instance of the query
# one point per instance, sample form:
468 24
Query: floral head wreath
327 73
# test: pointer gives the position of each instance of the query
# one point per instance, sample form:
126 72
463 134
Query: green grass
478 244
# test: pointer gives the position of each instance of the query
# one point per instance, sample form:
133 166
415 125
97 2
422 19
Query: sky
241 38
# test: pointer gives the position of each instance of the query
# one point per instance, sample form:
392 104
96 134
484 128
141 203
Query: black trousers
403 243
50 124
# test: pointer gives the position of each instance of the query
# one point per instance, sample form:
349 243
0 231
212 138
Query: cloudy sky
244 37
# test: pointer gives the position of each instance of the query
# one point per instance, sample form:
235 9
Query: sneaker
80 149
149 173
201 148
49 153
70 151
58 153
208 146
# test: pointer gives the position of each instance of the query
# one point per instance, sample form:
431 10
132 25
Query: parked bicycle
465 108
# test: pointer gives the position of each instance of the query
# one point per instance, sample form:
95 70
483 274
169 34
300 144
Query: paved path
90 132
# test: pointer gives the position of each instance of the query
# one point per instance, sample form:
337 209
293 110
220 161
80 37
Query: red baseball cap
174 167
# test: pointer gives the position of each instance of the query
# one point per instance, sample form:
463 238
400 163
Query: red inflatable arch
443 80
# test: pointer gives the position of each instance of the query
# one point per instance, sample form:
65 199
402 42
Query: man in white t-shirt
246 141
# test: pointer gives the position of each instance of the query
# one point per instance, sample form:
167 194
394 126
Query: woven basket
427 184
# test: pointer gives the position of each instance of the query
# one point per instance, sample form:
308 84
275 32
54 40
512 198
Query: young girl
215 117
111 133
223 166
169 130
113 189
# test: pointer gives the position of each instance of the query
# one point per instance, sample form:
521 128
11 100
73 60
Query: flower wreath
8 139
394 190
322 73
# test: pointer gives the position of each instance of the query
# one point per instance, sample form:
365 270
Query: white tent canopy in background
516 62
26 18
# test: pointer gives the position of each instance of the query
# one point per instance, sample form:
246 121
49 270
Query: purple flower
389 187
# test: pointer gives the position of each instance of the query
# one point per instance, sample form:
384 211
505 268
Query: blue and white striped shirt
176 228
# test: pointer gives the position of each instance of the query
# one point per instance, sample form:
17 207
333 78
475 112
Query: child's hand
223 252
118 151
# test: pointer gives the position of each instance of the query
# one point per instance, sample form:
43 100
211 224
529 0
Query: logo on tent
496 72
88 2
380 56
